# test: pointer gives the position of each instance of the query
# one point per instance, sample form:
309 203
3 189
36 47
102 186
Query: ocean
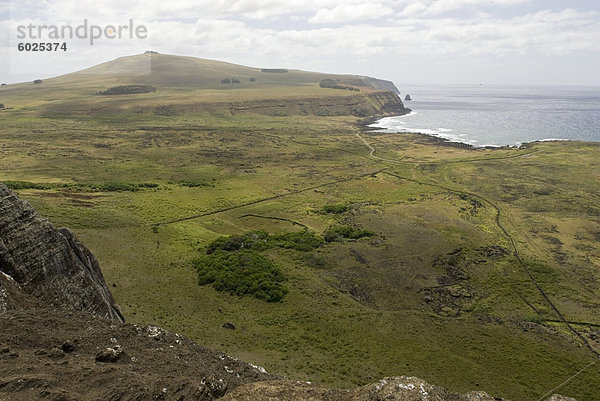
494 115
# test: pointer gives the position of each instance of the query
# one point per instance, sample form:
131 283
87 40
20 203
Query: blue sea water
493 115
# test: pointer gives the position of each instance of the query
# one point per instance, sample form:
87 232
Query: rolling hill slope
184 81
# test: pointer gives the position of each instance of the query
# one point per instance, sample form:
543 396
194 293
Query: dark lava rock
68 347
229 326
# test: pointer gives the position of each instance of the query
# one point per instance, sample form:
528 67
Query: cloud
443 6
321 34
350 12
413 9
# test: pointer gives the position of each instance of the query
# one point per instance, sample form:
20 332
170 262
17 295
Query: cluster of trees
230 81
261 240
333 84
245 272
235 264
128 89
194 183
346 231
337 208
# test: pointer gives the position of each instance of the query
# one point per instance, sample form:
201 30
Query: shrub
128 89
300 240
534 318
246 272
235 81
252 79
338 208
193 183
314 260
1 105
104 187
256 240
37 81
338 233
26 185
226 81
260 240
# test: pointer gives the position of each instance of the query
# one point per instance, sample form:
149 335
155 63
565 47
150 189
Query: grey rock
110 355
558 397
49 264
229 325
403 388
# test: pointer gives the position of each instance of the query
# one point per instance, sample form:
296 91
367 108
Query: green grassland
436 292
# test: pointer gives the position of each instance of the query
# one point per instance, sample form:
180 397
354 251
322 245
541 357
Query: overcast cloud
407 41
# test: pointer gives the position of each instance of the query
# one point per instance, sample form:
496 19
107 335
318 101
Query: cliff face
48 264
359 105
381 84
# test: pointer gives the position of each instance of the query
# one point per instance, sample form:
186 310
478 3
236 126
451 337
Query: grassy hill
178 80
473 257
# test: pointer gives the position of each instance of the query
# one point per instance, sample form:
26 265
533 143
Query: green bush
300 240
26 185
338 233
314 260
245 272
534 318
193 183
338 208
128 89
260 240
103 187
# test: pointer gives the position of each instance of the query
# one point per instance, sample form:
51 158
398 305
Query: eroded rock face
49 264
11 295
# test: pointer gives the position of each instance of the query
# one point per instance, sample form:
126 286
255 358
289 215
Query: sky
520 42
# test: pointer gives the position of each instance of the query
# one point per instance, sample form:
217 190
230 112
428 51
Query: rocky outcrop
48 264
400 388
11 295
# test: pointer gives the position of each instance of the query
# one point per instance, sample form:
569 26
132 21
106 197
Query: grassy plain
436 293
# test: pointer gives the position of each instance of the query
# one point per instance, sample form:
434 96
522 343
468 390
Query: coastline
366 125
